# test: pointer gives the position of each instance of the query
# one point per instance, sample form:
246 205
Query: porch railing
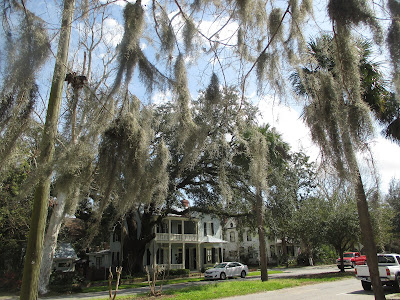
174 237
172 266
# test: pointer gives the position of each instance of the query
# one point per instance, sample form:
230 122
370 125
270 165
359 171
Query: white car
227 269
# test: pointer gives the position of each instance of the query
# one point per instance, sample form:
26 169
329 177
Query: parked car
227 269
389 272
351 259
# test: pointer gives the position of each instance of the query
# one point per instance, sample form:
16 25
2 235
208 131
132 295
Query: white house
181 242
243 245
64 258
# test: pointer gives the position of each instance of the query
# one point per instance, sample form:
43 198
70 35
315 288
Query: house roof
105 251
212 240
65 250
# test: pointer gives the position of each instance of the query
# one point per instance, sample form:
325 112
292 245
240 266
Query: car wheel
396 284
243 274
353 264
366 285
222 276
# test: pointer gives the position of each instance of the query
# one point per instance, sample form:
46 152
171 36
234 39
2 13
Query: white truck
389 271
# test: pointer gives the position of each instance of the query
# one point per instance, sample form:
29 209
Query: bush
179 272
302 260
10 281
66 278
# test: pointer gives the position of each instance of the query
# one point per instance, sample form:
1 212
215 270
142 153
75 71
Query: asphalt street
349 289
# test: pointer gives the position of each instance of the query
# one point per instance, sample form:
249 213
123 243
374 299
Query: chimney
185 203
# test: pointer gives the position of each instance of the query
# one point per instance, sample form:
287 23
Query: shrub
176 272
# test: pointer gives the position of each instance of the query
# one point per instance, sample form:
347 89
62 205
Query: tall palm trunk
261 235
367 232
29 289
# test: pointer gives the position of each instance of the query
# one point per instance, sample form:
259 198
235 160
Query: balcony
174 237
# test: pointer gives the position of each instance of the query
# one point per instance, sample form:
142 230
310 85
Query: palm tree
384 105
341 87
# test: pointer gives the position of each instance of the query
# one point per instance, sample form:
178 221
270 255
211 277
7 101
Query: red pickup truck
351 259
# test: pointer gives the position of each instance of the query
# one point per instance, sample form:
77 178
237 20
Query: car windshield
348 255
220 266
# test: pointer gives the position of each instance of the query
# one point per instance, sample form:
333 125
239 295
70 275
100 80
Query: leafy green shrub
66 278
176 272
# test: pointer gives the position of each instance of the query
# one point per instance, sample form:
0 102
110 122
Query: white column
169 255
183 255
198 257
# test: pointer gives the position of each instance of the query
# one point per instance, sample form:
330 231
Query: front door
194 258
187 258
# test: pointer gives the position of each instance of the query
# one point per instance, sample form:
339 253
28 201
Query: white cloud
161 97
228 33
288 123
113 32
386 156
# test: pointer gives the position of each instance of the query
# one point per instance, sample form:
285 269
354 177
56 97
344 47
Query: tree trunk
367 235
29 288
261 236
133 256
134 244
341 261
367 232
50 243
284 252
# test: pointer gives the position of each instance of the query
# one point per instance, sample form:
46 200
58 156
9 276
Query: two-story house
186 242
243 245
189 242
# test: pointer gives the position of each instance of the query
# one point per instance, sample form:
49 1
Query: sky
288 122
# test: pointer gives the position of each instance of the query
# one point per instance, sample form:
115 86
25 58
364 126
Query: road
344 289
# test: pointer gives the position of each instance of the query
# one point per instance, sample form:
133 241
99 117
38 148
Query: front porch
191 256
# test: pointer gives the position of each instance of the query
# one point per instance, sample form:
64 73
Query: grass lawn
138 284
230 288
171 281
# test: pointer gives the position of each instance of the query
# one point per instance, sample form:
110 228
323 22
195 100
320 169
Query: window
117 236
249 237
205 228
232 236
231 225
179 228
209 255
212 229
64 265
99 261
